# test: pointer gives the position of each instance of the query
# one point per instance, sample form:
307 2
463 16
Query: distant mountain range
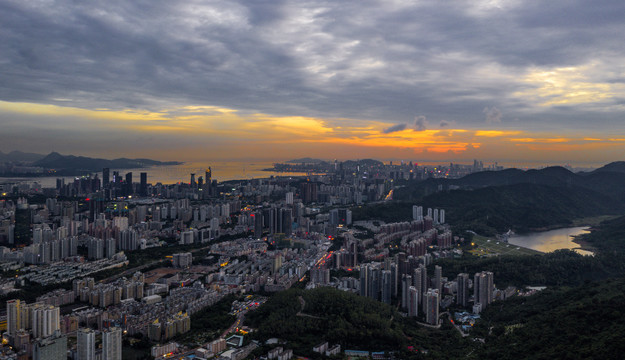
73 165
305 160
20 156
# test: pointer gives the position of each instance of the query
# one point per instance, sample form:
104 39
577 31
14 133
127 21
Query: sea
172 174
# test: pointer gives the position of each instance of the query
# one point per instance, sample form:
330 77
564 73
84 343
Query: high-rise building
86 344
258 224
438 274
483 286
394 278
112 344
286 221
13 316
432 299
417 282
405 292
143 187
51 348
364 280
374 287
308 192
207 189
462 288
387 286
192 182
128 185
182 260
413 301
45 321
106 177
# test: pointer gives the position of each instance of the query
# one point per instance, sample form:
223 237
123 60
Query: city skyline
498 81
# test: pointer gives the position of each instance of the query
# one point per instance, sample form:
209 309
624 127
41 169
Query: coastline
583 244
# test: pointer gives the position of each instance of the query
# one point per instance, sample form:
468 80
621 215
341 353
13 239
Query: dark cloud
361 60
444 124
420 123
394 128
493 115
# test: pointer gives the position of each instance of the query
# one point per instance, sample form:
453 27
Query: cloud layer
546 66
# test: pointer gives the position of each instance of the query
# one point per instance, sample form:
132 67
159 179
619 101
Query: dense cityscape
217 239
254 180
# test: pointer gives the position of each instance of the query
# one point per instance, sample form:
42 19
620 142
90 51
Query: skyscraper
438 274
86 344
207 190
483 287
45 321
112 344
308 192
286 221
387 286
462 297
258 224
364 280
374 286
128 185
51 348
405 292
143 188
431 306
413 301
13 317
106 177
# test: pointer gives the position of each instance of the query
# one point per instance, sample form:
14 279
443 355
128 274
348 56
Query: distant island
54 164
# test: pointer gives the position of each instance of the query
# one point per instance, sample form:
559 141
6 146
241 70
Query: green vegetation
561 267
585 322
30 292
388 212
208 324
485 246
608 237
522 207
350 320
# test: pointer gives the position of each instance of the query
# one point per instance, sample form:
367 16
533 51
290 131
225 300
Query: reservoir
548 241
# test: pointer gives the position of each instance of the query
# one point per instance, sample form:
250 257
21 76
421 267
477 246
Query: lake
548 241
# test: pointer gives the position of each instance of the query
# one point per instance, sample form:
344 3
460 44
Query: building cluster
265 235
403 277
268 270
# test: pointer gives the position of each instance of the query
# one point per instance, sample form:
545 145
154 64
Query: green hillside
586 322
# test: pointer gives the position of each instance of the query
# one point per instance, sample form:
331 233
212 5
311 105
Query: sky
508 81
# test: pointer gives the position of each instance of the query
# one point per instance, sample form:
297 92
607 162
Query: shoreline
583 244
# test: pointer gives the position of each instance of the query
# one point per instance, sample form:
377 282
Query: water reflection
548 241
221 171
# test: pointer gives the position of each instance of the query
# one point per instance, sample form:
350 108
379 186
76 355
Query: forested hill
81 163
608 180
585 322
522 207
305 318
